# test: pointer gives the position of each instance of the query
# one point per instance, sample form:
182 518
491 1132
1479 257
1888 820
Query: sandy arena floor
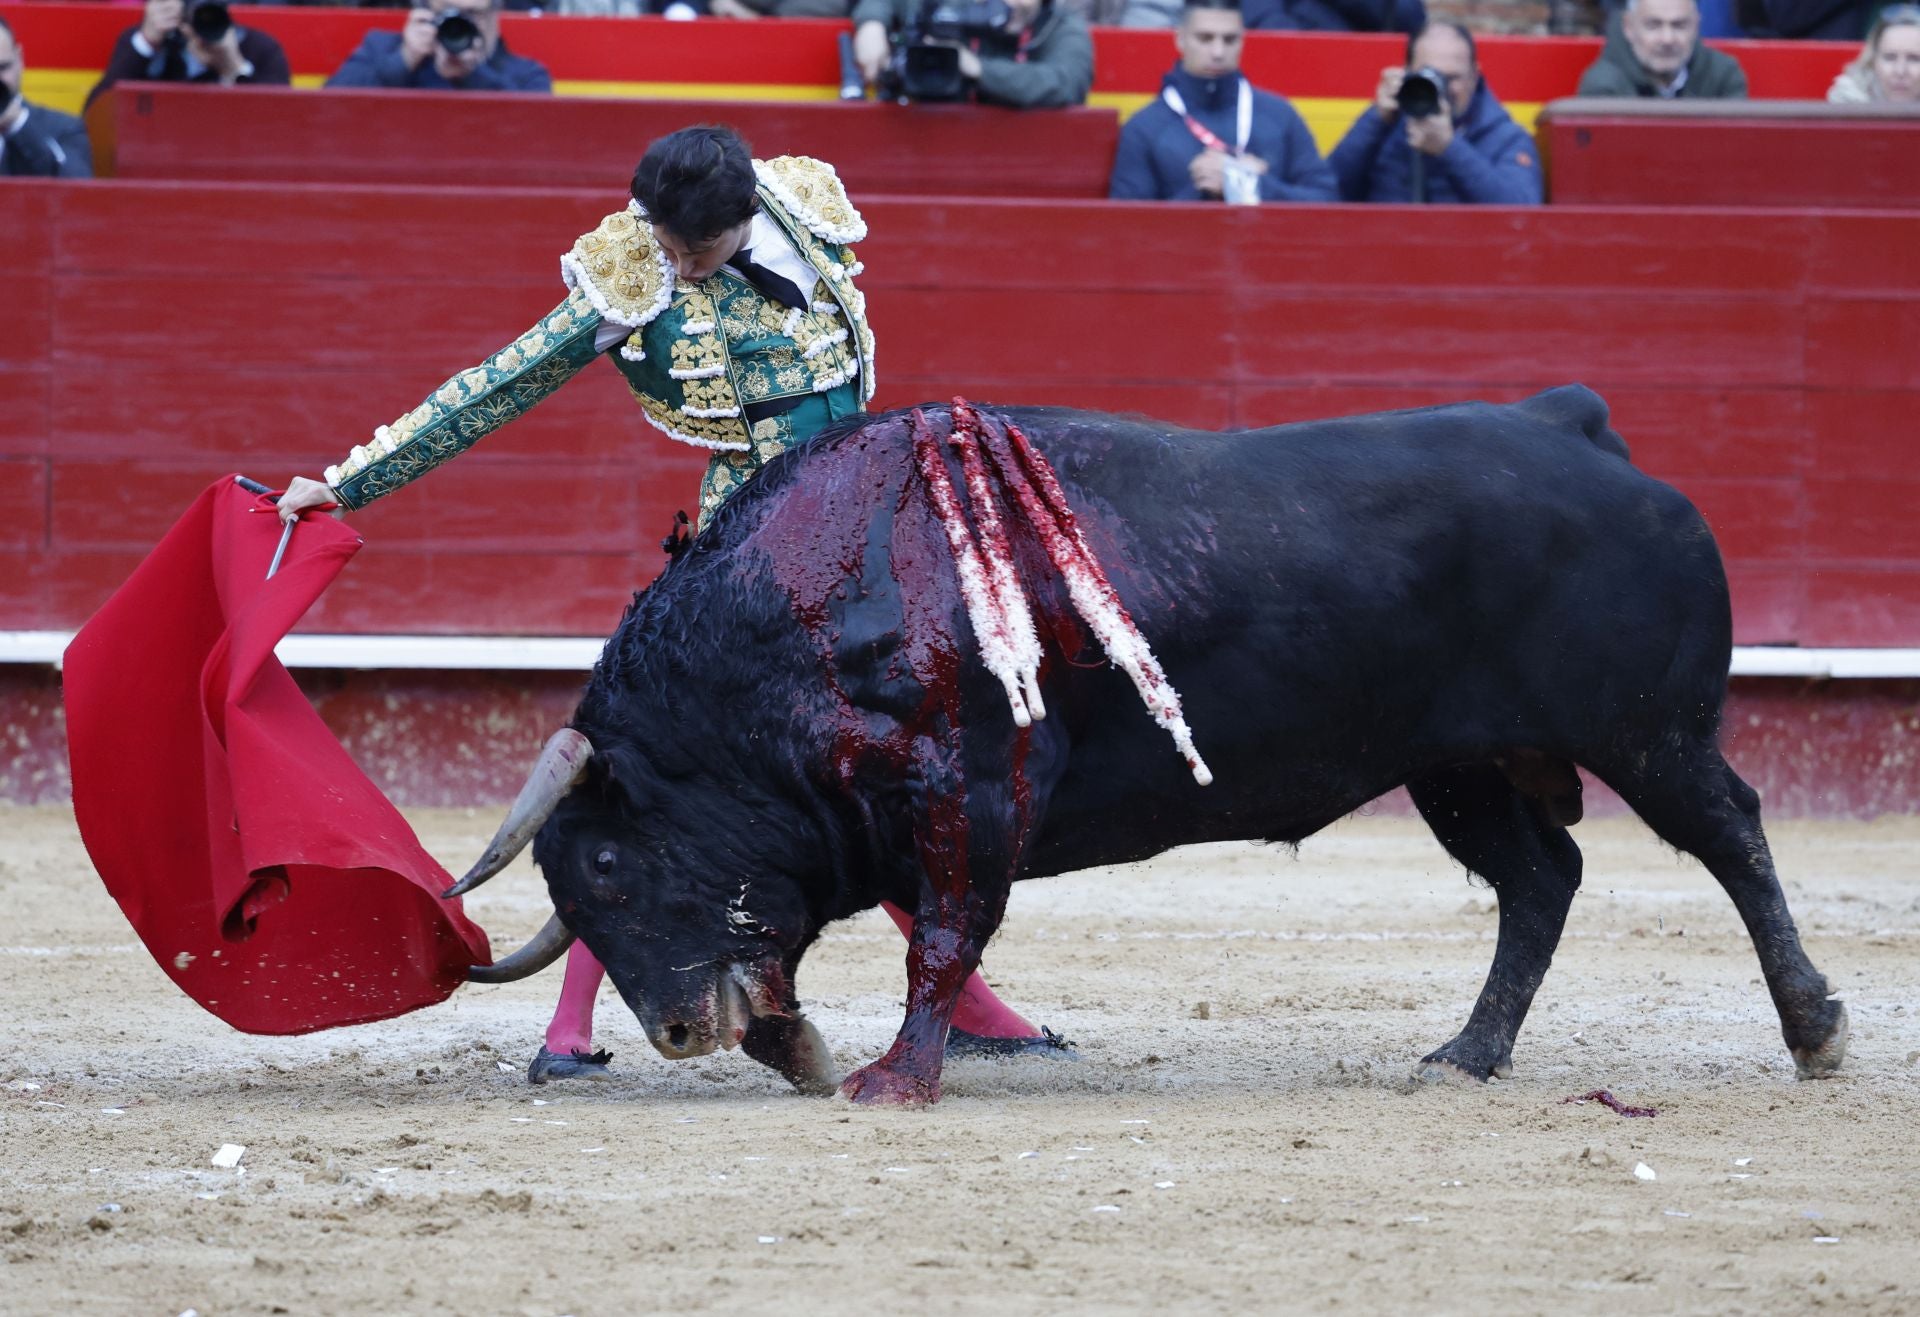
1236 1135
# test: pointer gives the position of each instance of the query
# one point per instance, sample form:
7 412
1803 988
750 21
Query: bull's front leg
783 1039
942 954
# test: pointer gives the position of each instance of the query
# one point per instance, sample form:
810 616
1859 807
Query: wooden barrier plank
1864 519
1868 606
23 503
1754 519
494 140
1865 342
1601 153
1860 434
1769 603
26 409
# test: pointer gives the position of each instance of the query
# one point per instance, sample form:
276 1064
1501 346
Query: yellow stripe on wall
1328 118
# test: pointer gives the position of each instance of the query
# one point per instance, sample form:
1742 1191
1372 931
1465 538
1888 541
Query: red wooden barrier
158 334
1720 153
157 130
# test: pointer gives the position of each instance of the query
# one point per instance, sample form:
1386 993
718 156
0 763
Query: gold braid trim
811 192
621 269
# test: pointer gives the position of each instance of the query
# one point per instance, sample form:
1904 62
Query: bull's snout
718 1018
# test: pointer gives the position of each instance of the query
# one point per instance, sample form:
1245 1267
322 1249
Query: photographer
1039 56
1456 145
451 45
35 142
1211 135
193 42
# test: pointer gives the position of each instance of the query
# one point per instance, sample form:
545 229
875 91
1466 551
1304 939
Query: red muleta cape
265 873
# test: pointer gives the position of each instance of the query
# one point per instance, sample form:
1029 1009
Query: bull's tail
1577 407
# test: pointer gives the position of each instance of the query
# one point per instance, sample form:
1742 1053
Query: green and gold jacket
696 356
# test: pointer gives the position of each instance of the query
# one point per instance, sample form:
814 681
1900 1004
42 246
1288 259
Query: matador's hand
304 494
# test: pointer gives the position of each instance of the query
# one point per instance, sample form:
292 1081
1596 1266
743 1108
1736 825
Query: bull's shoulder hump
621 269
811 192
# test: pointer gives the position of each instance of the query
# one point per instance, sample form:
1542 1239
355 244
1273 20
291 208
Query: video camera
1422 93
925 69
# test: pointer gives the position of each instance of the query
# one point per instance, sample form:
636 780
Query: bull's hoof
548 1066
1820 1062
1434 1070
875 1086
960 1043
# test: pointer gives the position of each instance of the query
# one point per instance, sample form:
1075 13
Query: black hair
697 183
1188 5
1473 52
8 30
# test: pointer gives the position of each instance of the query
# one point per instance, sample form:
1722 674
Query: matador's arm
471 405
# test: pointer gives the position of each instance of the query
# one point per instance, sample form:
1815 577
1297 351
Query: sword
255 487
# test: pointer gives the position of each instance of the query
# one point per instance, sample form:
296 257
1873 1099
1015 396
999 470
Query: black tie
772 286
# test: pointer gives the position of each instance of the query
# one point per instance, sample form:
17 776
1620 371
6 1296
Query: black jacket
50 144
169 62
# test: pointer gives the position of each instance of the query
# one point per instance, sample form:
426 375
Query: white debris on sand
229 1155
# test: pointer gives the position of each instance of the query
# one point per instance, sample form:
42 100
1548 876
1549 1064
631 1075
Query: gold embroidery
626 273
709 395
813 193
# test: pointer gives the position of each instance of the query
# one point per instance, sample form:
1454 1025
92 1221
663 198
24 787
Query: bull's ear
626 772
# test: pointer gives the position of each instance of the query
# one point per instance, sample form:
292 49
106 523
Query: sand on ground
1236 1134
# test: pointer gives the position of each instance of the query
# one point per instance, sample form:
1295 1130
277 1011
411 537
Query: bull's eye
603 862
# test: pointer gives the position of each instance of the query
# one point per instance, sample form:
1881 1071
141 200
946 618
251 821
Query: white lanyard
1244 118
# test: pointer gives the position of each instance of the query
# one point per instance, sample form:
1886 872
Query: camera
919 71
210 20
1422 93
455 32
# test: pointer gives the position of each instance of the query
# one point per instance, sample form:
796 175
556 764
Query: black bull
794 722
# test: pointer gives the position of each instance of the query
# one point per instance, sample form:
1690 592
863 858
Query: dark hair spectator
697 182
1211 135
1657 51
1467 149
780 8
35 141
1887 69
1295 15
448 45
1043 59
1805 20
193 42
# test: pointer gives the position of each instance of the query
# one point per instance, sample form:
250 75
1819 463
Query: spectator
34 140
1468 150
451 44
1806 20
1407 16
780 8
1887 70
197 42
1657 52
1043 59
1211 135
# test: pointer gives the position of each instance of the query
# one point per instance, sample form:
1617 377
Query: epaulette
811 192
621 269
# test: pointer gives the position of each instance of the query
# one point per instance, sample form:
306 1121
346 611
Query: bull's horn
562 764
546 947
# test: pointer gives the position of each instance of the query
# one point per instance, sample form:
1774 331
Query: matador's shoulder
621 269
811 192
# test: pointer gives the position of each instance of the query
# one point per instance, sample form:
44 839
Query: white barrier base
577 654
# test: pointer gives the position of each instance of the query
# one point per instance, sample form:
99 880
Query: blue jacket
378 64
1491 160
1156 145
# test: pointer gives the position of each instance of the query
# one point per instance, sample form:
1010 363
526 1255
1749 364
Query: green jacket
697 355
1619 72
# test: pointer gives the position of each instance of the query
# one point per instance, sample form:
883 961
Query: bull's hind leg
1533 867
1695 802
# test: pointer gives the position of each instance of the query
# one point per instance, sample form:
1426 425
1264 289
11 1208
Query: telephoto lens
210 20
456 32
1422 93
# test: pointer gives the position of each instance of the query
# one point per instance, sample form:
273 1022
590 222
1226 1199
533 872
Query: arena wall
1750 357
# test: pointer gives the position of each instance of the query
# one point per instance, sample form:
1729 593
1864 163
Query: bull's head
696 943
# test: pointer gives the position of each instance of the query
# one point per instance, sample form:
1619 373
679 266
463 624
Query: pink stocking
978 1011
572 1027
